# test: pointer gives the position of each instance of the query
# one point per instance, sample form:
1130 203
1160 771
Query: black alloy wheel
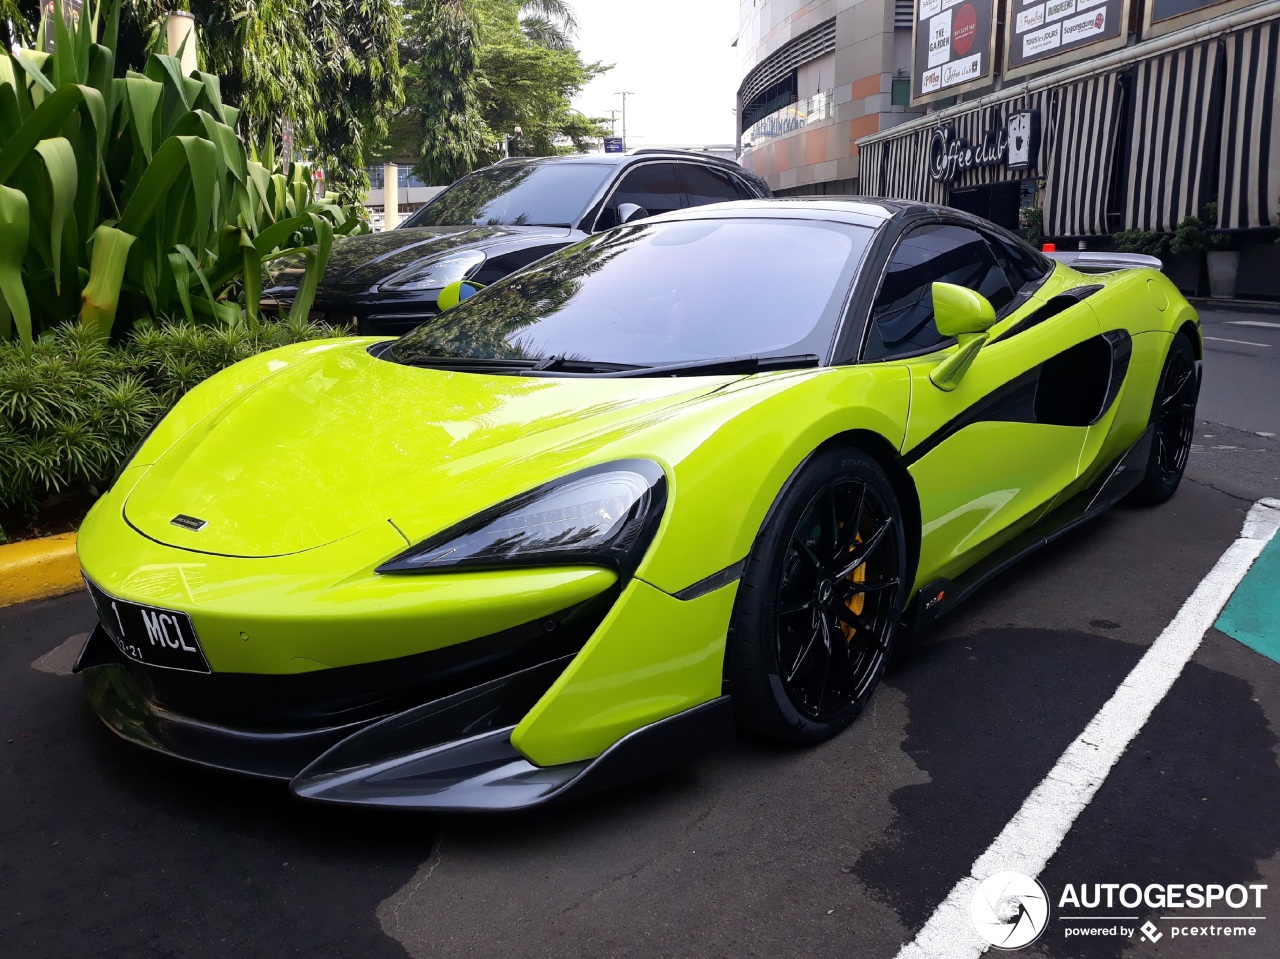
820 601
1173 420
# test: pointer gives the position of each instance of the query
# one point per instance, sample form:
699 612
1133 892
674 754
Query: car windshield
516 194
658 293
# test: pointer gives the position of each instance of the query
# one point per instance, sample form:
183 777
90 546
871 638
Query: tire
820 599
1173 414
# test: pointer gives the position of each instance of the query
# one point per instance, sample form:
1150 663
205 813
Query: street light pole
624 94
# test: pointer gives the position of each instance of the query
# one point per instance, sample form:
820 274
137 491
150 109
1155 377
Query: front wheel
1173 417
820 600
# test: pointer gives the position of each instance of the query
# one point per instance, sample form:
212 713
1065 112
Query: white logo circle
1010 910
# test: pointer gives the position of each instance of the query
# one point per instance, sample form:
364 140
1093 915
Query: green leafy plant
1218 239
1139 241
1191 236
1031 219
130 198
72 406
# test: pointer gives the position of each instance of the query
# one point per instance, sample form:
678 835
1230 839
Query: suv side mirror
967 315
630 211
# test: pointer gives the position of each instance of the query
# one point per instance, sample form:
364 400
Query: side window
654 186
902 316
1022 265
704 185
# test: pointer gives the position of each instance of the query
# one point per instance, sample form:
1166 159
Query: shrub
133 197
1139 241
72 407
1190 237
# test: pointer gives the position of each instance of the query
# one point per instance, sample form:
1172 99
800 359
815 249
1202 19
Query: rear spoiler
1088 262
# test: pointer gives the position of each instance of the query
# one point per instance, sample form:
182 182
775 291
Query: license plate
149 634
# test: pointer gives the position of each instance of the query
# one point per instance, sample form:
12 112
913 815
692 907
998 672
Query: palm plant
549 23
132 197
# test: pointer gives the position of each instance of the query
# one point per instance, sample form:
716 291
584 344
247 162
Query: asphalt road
840 850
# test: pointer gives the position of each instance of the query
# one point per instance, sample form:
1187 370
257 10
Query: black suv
496 220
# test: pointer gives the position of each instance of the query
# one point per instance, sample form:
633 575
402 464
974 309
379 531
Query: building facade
817 76
1073 120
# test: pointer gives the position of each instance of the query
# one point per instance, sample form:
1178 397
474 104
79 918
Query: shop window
902 317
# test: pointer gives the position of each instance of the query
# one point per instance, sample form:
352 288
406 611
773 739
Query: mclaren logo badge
189 522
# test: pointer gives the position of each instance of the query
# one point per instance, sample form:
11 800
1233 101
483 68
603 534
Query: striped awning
1249 161
1176 101
1086 123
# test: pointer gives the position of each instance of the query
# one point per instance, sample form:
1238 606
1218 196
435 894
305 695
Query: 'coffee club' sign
1015 145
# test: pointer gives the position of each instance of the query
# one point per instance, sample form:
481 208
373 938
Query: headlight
435 274
602 516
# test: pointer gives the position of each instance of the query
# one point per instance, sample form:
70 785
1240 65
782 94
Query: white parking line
1034 834
1220 339
1263 323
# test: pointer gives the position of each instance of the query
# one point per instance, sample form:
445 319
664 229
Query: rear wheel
820 601
1173 417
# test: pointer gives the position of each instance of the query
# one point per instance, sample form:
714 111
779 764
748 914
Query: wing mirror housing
456 292
967 315
630 211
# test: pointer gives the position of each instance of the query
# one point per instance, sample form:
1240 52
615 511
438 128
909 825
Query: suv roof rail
701 155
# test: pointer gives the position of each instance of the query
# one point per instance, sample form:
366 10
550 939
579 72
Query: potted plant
1188 245
1223 255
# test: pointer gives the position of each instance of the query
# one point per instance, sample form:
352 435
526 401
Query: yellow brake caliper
858 600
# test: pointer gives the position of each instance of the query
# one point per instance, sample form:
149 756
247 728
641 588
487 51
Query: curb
38 569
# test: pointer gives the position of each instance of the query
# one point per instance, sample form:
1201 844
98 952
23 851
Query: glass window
902 317
656 293
654 186
1021 264
516 194
705 185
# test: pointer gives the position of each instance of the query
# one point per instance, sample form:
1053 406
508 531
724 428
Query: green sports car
692 474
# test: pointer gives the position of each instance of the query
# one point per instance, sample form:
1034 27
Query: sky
674 55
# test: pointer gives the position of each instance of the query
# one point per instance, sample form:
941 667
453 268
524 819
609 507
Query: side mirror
456 292
630 211
960 312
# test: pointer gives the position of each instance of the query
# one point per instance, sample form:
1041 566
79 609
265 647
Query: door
991 454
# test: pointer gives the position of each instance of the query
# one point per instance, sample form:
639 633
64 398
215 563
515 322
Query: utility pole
624 94
613 122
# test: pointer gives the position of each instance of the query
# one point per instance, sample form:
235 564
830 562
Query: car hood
340 441
360 262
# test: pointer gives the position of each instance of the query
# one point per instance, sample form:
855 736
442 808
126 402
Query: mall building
1074 119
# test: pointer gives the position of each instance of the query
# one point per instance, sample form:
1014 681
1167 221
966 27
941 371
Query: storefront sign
1016 145
1046 33
953 42
950 155
1161 16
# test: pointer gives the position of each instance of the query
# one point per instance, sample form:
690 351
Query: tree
441 126
329 68
481 70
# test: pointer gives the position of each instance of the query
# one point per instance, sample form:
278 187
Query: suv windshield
658 293
516 194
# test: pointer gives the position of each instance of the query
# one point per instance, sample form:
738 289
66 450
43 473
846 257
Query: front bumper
452 753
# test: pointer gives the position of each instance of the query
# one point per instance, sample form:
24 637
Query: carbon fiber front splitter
449 754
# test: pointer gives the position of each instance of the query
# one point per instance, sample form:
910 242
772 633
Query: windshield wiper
732 364
564 363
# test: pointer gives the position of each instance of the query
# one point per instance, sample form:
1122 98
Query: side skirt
941 596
